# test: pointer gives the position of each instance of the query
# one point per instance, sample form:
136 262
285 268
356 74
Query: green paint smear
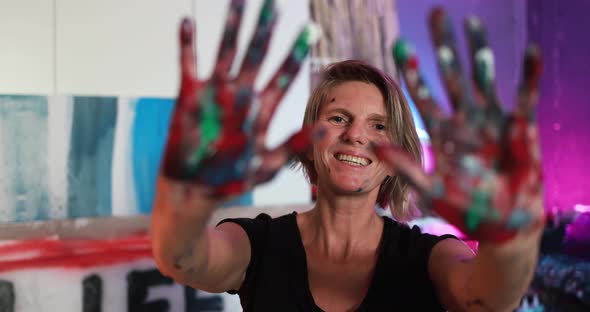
210 128
401 51
484 75
267 13
284 81
302 45
475 213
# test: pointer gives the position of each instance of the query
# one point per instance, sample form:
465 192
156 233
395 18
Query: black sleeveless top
276 278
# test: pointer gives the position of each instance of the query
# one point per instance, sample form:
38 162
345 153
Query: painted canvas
73 156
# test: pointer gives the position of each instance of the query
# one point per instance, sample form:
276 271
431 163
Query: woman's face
354 117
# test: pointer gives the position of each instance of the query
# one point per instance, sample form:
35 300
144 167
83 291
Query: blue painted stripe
149 131
90 156
23 133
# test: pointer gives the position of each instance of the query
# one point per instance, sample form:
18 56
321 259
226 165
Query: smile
353 160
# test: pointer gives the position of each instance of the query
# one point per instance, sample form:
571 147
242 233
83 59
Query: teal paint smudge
24 171
246 199
90 156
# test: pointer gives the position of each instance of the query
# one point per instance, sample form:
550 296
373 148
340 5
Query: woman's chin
350 189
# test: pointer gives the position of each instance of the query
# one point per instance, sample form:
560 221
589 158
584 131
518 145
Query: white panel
26 47
123 200
118 47
59 129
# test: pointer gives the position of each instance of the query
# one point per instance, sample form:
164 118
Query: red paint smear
71 254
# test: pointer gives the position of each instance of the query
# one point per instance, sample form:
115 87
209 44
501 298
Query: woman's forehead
355 96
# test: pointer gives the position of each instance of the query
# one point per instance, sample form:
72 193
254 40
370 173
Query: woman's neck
340 227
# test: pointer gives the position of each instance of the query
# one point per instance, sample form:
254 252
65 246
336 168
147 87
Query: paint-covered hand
487 179
219 126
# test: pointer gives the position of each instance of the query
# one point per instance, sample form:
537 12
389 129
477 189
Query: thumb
401 163
271 161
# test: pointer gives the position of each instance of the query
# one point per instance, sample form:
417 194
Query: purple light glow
563 110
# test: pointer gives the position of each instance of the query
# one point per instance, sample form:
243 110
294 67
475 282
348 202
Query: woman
339 256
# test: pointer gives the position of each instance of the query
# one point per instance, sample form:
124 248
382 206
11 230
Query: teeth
354 160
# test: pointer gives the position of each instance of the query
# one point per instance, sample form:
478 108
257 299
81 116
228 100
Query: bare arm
190 251
494 280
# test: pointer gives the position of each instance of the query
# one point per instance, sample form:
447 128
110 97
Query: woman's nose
356 134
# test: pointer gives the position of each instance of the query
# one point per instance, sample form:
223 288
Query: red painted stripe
52 253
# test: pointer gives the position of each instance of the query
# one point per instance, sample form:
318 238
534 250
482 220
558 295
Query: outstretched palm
487 179
219 126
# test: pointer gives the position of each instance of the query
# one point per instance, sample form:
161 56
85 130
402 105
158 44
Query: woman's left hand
487 179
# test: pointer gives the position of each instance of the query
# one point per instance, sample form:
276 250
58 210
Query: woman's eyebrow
338 110
377 117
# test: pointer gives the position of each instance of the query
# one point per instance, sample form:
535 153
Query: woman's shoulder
409 239
260 218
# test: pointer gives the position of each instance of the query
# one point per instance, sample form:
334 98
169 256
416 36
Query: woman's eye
337 119
380 127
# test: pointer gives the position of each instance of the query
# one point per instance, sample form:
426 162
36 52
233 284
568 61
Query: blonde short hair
394 191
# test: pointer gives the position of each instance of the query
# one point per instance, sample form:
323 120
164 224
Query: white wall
129 48
27 47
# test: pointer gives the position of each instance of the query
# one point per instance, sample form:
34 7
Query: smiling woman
353 96
358 145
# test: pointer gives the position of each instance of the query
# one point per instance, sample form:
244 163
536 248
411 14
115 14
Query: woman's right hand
219 126
215 150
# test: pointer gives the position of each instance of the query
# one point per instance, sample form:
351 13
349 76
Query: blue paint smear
149 134
90 156
246 199
23 130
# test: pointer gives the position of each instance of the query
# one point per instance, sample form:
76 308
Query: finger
402 164
482 60
469 213
258 44
270 162
529 86
187 64
448 59
521 158
278 85
407 63
228 47
183 133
